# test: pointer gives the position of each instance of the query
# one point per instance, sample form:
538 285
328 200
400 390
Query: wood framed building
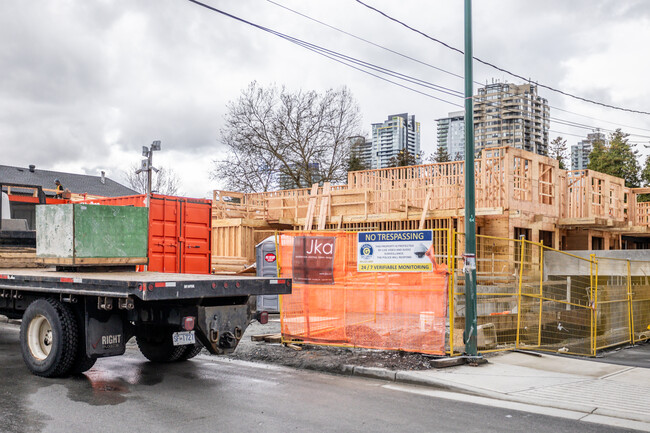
518 193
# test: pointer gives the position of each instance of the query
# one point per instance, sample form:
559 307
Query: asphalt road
209 394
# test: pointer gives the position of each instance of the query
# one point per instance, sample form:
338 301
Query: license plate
183 338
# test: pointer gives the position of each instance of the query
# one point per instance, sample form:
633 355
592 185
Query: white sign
399 251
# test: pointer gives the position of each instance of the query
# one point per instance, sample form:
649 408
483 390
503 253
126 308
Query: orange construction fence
332 303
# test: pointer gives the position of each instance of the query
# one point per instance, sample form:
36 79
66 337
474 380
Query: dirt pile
323 358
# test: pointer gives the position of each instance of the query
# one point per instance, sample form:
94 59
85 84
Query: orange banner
333 303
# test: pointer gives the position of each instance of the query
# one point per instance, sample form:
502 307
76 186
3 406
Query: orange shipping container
179 231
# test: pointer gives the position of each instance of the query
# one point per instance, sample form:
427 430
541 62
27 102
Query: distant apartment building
580 152
362 148
398 133
511 115
451 135
285 181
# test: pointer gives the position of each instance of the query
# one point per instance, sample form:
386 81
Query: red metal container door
196 238
164 235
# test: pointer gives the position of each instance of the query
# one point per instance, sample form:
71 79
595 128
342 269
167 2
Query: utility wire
367 41
360 64
560 121
599 120
449 72
499 68
344 59
408 78
332 57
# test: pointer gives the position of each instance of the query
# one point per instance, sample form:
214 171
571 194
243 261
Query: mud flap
220 328
104 333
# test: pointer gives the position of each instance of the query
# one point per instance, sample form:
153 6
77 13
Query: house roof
76 183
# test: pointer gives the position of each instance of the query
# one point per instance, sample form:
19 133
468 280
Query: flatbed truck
72 318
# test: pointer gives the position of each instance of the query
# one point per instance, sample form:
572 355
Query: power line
367 41
333 57
565 133
374 67
499 68
343 59
558 120
351 62
563 121
578 125
599 120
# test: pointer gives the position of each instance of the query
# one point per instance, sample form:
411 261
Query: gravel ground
323 358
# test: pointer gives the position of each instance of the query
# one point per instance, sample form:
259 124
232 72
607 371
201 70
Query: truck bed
148 286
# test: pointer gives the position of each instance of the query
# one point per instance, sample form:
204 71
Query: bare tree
275 137
164 182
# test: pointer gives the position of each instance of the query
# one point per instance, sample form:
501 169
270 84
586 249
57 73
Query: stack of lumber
18 257
231 265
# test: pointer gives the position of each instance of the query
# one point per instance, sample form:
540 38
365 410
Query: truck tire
159 348
82 364
49 338
190 352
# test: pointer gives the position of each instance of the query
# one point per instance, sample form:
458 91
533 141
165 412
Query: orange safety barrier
334 304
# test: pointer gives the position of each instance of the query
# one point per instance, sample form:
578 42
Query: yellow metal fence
497 281
557 293
530 296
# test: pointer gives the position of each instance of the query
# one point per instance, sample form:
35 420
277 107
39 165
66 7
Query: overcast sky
85 84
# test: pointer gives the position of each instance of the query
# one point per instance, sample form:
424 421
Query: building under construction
518 194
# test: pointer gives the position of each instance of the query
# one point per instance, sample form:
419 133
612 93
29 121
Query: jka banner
313 259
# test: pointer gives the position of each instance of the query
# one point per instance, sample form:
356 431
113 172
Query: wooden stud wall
514 188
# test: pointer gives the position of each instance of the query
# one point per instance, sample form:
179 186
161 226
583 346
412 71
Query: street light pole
147 165
149 175
470 212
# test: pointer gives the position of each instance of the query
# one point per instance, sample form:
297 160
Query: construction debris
268 338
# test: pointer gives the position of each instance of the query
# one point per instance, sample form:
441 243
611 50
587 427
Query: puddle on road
113 381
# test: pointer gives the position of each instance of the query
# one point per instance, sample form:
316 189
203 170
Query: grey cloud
82 78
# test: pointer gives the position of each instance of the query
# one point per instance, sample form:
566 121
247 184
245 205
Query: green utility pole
470 212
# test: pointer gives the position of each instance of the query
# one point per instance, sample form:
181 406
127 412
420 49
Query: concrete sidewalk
565 383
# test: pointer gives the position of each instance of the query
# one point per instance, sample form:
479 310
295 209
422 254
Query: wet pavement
215 394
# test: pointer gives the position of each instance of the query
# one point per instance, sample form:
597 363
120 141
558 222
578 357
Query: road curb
375 373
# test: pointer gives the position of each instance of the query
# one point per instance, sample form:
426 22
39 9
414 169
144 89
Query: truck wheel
159 348
82 364
190 352
48 338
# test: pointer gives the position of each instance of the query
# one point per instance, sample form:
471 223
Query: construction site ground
323 358
341 359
